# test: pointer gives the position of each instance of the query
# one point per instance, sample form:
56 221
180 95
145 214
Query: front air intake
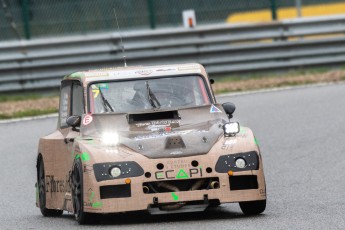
152 116
174 142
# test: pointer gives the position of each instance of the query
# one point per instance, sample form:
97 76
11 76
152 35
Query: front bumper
138 200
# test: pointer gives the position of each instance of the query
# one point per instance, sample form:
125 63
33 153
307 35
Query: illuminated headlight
110 139
231 128
240 163
115 172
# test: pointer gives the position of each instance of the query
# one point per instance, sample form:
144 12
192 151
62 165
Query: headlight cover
240 163
117 170
249 161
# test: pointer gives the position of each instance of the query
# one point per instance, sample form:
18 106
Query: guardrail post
152 15
25 18
299 8
274 10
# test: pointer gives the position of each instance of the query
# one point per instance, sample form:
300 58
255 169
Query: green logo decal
85 156
174 196
91 196
182 174
256 141
97 204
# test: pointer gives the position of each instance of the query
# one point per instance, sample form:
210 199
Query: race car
146 138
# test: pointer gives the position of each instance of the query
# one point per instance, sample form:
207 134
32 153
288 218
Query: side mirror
211 81
229 108
73 121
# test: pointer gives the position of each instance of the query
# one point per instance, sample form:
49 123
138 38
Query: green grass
28 113
274 74
24 96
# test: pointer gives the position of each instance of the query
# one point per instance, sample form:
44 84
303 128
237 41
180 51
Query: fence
223 49
51 18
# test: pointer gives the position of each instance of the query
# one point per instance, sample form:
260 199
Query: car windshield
147 94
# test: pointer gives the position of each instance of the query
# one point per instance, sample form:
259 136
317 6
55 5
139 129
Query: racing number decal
87 119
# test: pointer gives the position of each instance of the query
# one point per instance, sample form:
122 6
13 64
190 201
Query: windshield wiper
105 102
151 97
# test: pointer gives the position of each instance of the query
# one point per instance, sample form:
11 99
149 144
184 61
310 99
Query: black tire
77 195
253 207
41 184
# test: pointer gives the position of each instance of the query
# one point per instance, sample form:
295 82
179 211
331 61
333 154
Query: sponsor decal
176 153
144 72
171 69
53 185
96 74
214 109
90 203
161 122
159 128
178 164
228 144
180 174
87 119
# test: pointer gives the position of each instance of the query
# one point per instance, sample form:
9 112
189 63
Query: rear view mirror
229 108
73 121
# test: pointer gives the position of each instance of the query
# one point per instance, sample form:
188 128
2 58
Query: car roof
130 72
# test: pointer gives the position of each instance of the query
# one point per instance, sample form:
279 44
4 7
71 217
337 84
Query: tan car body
60 149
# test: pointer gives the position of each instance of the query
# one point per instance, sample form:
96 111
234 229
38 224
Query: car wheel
42 192
77 195
253 207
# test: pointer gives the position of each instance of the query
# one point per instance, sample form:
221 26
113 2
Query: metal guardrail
41 63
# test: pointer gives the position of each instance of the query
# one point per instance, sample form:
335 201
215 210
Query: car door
71 103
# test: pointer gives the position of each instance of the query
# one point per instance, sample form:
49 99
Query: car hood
172 133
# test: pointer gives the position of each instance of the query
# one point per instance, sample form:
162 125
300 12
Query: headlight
115 172
110 139
240 163
231 128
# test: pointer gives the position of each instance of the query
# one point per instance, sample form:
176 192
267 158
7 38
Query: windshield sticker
214 109
87 119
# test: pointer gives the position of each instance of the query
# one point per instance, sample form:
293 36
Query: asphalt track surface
301 134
